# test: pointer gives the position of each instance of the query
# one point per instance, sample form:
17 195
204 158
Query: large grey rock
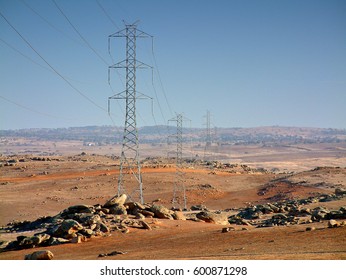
116 200
133 206
57 241
40 255
178 215
103 227
118 210
147 213
29 242
162 212
199 207
210 217
67 227
319 213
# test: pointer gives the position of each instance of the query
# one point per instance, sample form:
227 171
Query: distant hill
159 134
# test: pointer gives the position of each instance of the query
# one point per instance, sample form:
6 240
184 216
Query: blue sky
250 63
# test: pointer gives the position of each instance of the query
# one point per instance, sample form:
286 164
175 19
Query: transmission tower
179 191
129 161
208 134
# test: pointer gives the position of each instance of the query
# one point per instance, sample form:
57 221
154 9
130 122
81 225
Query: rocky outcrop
78 223
40 255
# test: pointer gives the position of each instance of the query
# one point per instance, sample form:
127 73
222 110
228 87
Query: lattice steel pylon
179 191
129 161
208 134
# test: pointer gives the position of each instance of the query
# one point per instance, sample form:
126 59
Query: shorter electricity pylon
179 191
208 140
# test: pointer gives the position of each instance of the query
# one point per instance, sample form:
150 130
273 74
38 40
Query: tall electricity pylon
179 191
129 162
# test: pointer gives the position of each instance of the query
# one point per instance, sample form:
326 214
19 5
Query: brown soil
32 189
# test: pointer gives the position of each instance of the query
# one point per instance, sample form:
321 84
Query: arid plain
42 178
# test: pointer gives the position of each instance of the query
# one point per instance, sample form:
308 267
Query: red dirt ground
27 193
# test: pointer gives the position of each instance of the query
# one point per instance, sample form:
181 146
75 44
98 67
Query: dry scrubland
256 202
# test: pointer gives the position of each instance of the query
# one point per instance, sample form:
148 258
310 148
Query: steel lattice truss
129 162
179 190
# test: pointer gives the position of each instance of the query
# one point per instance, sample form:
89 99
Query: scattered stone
114 253
40 255
146 225
227 229
210 217
333 224
310 229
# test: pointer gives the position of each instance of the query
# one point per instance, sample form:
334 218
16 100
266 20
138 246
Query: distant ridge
156 134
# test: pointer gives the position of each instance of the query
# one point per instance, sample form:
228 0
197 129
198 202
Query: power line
161 84
34 61
24 55
107 15
33 110
50 66
48 22
79 34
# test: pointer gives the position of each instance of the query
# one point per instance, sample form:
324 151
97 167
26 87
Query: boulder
57 241
40 255
116 200
78 239
145 225
162 212
87 232
139 216
336 214
210 217
29 242
103 227
319 213
199 207
274 208
147 213
333 224
67 227
133 206
266 209
310 229
340 191
279 216
80 209
118 210
227 229
178 215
